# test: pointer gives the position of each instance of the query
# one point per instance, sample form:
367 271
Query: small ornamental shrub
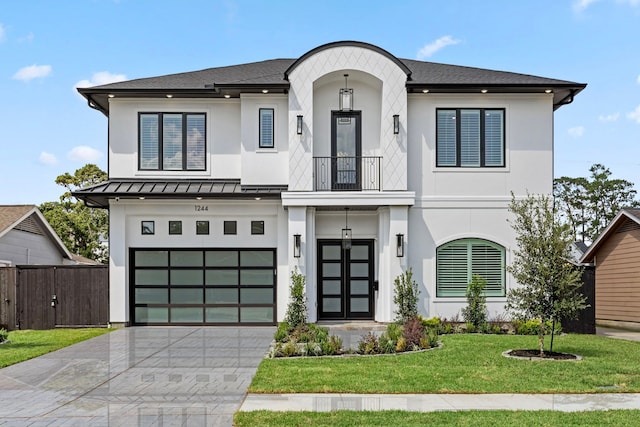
412 331
433 323
4 335
394 331
282 333
289 349
475 313
368 344
401 345
405 296
332 346
297 309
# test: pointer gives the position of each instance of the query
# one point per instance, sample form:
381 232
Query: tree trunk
541 341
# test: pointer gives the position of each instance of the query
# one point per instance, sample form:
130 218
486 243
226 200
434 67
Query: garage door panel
203 286
222 296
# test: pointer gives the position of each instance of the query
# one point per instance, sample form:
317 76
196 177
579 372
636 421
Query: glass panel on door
346 150
345 288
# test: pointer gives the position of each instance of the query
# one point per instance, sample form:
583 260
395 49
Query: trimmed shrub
297 309
475 313
4 335
405 296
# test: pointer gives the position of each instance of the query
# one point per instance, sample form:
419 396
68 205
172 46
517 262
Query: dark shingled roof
271 74
99 195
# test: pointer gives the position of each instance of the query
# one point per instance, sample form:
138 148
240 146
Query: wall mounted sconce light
346 96
299 125
296 245
399 245
346 231
396 124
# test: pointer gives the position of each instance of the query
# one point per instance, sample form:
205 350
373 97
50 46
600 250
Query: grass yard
468 363
28 344
456 419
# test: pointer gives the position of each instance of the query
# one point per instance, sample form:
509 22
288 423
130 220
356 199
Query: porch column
393 220
297 225
118 284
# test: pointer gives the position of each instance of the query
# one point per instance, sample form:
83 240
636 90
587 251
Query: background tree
549 285
588 205
83 230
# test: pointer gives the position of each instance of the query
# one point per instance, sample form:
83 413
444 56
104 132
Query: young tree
81 229
549 284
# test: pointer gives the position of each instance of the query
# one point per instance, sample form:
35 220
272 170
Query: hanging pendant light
346 96
346 231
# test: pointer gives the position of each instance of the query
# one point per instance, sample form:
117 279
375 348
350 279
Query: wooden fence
586 321
46 297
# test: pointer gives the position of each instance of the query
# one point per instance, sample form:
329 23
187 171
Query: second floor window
172 141
470 137
265 139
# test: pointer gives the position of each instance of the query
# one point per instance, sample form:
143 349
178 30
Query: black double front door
345 280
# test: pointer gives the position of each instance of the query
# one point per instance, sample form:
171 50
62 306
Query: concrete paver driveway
142 376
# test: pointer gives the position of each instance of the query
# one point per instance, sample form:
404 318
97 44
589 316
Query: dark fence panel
82 296
35 292
8 298
586 321
62 296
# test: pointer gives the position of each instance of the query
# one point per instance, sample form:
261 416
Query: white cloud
635 115
581 5
427 50
47 158
101 78
28 38
632 3
3 34
638 79
576 132
84 154
32 72
609 117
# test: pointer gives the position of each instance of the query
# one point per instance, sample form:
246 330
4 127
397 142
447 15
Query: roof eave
563 93
590 252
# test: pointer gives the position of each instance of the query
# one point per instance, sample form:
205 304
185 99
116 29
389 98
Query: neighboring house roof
19 216
79 259
272 75
98 195
631 214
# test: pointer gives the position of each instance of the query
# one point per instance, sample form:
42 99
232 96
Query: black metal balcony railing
347 173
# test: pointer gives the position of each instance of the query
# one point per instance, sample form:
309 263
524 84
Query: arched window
458 260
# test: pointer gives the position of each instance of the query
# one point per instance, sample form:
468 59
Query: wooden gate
8 298
62 296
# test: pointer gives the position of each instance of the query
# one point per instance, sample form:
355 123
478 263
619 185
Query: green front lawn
468 363
28 344
456 419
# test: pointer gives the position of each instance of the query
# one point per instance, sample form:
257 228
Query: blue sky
47 48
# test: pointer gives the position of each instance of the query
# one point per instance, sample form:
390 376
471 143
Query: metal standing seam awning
98 195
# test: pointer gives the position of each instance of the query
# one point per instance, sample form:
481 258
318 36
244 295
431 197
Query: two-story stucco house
347 162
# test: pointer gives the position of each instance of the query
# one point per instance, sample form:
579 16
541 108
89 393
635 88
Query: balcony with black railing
339 173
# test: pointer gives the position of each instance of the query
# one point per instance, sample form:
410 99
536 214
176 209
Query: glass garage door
203 287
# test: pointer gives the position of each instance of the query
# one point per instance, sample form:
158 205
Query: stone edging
506 354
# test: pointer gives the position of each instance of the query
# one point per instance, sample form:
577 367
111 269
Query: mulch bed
535 354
